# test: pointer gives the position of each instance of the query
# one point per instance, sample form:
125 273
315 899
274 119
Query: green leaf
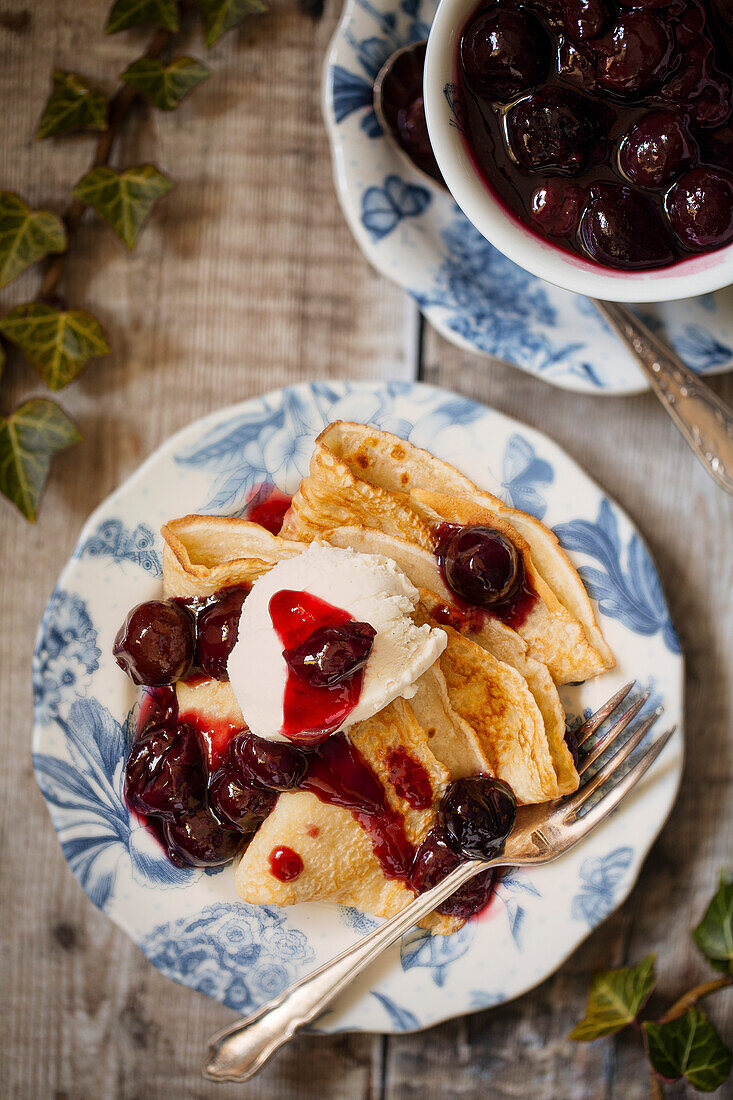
689 1047
714 933
58 343
29 438
72 105
165 85
142 13
221 16
123 199
615 1000
26 236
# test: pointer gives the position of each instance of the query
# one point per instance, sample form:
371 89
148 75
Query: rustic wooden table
247 278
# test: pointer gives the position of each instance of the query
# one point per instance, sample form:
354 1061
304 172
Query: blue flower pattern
115 541
242 955
601 877
383 208
524 475
66 656
634 594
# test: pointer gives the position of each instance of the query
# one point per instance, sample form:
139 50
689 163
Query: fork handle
239 1051
706 421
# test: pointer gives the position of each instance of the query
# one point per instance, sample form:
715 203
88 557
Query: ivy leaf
142 13
29 438
689 1047
123 198
58 343
165 85
72 105
26 236
714 933
615 1000
221 16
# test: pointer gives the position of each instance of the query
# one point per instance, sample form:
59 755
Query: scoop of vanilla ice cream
372 589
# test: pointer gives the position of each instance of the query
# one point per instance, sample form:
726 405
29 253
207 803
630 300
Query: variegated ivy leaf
142 13
26 236
123 198
689 1047
72 105
221 16
165 85
29 438
616 997
58 343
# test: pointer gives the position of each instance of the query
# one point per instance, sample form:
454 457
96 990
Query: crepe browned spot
360 476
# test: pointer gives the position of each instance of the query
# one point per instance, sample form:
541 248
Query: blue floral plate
190 923
476 298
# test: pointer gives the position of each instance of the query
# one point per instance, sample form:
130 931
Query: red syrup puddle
285 864
267 505
311 713
409 779
214 734
513 610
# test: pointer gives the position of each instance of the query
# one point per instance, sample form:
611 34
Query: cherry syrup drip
338 775
512 609
214 734
285 864
409 779
267 505
311 713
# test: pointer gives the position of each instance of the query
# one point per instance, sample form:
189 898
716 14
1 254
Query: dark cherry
553 129
241 805
155 644
158 707
481 565
713 106
656 149
477 814
634 55
584 19
218 625
332 654
556 207
165 772
433 861
572 743
276 765
504 53
199 840
621 228
413 129
700 208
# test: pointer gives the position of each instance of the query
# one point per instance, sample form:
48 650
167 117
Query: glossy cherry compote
604 125
484 569
403 108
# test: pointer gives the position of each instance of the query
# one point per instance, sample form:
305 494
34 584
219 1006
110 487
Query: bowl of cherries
591 141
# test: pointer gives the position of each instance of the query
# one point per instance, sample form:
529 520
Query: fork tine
581 797
608 738
591 724
625 784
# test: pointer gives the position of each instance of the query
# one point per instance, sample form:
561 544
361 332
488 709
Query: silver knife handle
240 1050
704 419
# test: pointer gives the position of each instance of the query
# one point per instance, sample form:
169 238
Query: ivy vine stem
119 108
691 998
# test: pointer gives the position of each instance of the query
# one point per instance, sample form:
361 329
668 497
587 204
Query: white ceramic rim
699 275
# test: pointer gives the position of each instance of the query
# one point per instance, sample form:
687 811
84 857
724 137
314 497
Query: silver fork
541 834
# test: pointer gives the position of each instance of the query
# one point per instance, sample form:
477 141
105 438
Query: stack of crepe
488 705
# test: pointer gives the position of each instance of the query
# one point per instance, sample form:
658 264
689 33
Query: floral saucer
415 235
189 923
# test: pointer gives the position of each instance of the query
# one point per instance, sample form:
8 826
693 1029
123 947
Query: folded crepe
482 708
362 477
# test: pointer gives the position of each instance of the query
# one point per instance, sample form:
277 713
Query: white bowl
698 275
